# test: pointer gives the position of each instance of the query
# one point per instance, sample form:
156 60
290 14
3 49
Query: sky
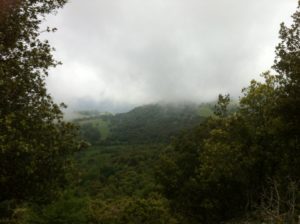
118 54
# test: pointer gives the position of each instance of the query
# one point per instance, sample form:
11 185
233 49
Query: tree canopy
245 163
35 142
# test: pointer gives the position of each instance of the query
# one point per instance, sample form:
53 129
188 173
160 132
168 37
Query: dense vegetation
243 166
145 124
35 142
113 184
240 165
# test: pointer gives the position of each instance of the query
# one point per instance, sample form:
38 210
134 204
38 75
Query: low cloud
136 52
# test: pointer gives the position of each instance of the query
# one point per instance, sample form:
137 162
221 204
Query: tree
35 142
287 65
68 209
90 133
153 210
221 109
248 161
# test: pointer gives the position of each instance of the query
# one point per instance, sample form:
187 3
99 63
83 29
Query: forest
219 162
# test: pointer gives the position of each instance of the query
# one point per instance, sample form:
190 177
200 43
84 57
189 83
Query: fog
122 53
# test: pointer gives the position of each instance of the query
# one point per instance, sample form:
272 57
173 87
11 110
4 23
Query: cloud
137 51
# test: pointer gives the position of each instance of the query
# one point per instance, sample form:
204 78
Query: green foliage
115 185
206 110
68 209
114 171
131 211
90 133
287 65
221 109
35 142
94 129
147 124
245 163
103 126
239 166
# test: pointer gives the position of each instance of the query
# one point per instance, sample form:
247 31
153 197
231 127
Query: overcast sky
119 53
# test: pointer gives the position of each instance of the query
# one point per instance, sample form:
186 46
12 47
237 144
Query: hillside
149 123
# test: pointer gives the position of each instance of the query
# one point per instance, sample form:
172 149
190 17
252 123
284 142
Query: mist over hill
136 146
144 124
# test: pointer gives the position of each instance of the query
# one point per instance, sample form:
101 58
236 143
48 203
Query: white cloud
138 51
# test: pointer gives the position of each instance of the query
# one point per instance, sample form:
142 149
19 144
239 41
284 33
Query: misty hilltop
143 124
115 155
139 52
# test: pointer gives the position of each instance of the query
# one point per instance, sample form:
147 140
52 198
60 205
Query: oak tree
35 142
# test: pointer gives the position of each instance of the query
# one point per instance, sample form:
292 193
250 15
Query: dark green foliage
234 165
115 185
131 210
90 133
115 171
221 109
153 123
240 165
147 124
68 209
245 163
200 173
287 111
35 142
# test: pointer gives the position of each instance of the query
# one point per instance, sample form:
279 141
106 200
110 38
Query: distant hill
154 123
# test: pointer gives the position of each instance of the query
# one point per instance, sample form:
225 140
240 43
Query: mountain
153 123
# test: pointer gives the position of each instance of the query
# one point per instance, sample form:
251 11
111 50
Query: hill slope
154 123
